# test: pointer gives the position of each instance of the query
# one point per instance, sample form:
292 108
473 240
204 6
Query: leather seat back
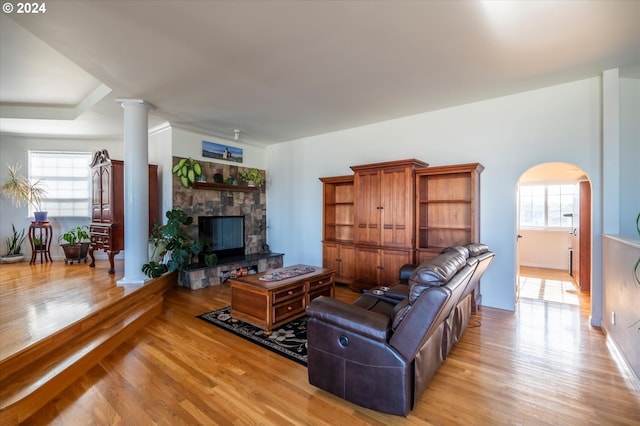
435 287
435 272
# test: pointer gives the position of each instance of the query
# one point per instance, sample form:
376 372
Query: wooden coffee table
269 304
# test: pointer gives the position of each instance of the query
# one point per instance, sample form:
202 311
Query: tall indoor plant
23 191
173 239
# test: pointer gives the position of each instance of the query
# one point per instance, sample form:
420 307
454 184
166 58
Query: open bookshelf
447 208
338 222
338 209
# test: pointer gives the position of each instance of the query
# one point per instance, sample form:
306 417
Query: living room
587 121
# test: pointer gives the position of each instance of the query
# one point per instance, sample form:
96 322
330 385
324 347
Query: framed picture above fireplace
221 151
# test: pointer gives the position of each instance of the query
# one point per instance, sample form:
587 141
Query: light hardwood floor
543 364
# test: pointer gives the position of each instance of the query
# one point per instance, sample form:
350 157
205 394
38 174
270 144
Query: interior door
517 245
584 235
574 239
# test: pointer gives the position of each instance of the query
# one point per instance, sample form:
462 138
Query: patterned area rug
289 340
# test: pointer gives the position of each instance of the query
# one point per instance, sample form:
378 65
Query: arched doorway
554 222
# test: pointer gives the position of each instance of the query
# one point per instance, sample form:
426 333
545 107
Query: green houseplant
23 191
77 244
14 246
188 171
172 239
252 177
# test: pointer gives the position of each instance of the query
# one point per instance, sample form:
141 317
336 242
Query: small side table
44 232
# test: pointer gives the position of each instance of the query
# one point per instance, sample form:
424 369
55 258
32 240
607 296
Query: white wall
621 296
507 135
186 143
14 150
160 147
629 155
544 249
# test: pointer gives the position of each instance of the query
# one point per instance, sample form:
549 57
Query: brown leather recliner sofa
381 351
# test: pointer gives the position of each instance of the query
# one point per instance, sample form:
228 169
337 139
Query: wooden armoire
369 222
107 205
389 214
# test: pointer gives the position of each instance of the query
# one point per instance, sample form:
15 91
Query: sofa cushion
476 249
436 271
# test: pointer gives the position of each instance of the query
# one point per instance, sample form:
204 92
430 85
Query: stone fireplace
214 202
224 201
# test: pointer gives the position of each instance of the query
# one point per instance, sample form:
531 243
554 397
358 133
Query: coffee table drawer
286 310
321 291
321 282
288 293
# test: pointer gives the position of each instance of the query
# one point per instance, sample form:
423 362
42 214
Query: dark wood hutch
107 205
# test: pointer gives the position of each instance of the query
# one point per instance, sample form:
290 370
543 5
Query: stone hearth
195 279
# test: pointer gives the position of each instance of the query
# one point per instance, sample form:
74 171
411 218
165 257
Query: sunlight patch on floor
548 290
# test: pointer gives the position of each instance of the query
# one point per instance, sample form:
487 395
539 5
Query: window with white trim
547 206
66 178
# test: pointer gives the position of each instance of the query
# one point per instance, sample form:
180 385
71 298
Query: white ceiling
283 70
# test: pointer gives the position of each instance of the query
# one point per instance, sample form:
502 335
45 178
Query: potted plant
22 191
77 245
188 170
174 246
252 177
37 243
14 246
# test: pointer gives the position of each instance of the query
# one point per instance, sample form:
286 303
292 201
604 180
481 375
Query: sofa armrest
352 318
405 272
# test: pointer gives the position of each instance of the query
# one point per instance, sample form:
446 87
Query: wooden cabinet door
96 195
396 201
347 257
367 216
376 267
367 267
391 261
154 202
106 194
341 258
330 256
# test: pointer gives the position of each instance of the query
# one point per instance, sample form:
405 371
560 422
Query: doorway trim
559 172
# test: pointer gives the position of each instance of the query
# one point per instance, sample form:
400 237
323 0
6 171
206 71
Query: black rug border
224 326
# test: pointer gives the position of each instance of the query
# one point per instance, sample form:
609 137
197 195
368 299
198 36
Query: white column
136 189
